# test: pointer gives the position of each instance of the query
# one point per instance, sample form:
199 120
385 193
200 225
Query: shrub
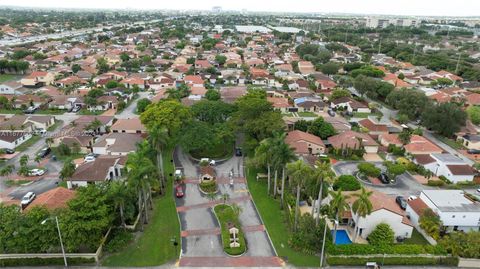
209 186
381 235
435 183
451 261
400 249
120 239
346 183
44 261
369 169
445 179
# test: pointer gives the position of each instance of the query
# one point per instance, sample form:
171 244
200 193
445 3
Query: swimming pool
342 238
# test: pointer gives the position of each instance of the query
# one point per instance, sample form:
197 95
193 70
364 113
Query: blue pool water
342 238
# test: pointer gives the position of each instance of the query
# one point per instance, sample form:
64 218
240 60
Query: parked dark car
402 202
473 151
384 178
331 113
238 152
44 152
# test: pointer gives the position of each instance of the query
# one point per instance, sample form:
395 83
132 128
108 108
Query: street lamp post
175 243
60 237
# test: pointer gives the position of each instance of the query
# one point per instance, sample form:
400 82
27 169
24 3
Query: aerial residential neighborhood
209 136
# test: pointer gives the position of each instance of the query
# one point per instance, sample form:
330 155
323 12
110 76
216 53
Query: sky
398 7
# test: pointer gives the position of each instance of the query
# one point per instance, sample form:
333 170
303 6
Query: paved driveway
200 229
406 185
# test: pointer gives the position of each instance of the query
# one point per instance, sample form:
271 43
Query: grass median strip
228 218
275 223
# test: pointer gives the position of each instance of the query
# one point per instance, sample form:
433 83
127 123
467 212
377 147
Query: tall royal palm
141 175
159 140
361 207
323 174
118 193
283 154
338 206
264 157
298 172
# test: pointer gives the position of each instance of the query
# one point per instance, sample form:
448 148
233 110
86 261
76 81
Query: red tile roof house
202 64
231 94
350 140
117 144
350 105
130 82
279 103
421 145
373 128
72 80
304 143
389 139
193 81
384 210
53 199
104 168
130 126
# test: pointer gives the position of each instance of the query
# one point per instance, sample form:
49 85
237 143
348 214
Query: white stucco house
447 165
456 211
104 168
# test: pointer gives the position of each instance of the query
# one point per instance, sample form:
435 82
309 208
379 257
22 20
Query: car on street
36 172
238 152
27 198
179 191
473 151
29 110
8 151
75 109
478 190
384 178
89 158
44 152
207 160
402 202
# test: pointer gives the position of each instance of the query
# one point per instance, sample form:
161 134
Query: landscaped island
233 239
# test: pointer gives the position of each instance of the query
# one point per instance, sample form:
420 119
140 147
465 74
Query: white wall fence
468 263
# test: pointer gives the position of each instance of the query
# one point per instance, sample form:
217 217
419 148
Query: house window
453 216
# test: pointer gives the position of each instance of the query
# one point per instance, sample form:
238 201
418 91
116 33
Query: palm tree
212 196
338 206
237 210
159 139
141 175
264 156
283 154
94 125
225 197
118 192
67 171
323 174
298 172
361 207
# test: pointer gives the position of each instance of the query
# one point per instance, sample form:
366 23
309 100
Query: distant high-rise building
373 22
217 9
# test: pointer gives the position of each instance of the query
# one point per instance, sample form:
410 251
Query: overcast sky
399 7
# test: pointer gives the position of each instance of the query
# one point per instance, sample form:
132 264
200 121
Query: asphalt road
129 112
203 218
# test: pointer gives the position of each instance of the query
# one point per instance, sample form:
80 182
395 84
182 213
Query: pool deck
350 232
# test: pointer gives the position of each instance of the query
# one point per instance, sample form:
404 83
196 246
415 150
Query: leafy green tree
346 183
142 105
329 68
321 128
76 68
168 114
369 169
466 245
338 206
112 84
473 113
405 136
339 93
445 119
211 112
323 175
382 235
67 171
409 102
88 217
197 136
212 95
363 84
220 59
443 82
394 169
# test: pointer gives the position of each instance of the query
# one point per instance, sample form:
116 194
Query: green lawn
154 246
416 238
6 77
307 114
11 111
452 143
28 143
274 221
51 111
88 112
11 182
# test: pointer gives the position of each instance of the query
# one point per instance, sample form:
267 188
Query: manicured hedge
44 261
209 186
346 183
451 261
405 249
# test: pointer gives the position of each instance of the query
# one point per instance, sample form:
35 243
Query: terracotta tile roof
461 170
128 124
372 127
279 102
297 135
350 139
193 79
379 201
424 159
53 199
418 206
390 139
473 99
420 145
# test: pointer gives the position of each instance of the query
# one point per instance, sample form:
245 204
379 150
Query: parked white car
210 162
36 172
89 158
28 198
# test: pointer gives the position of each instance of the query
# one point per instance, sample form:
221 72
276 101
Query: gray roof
451 201
447 158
